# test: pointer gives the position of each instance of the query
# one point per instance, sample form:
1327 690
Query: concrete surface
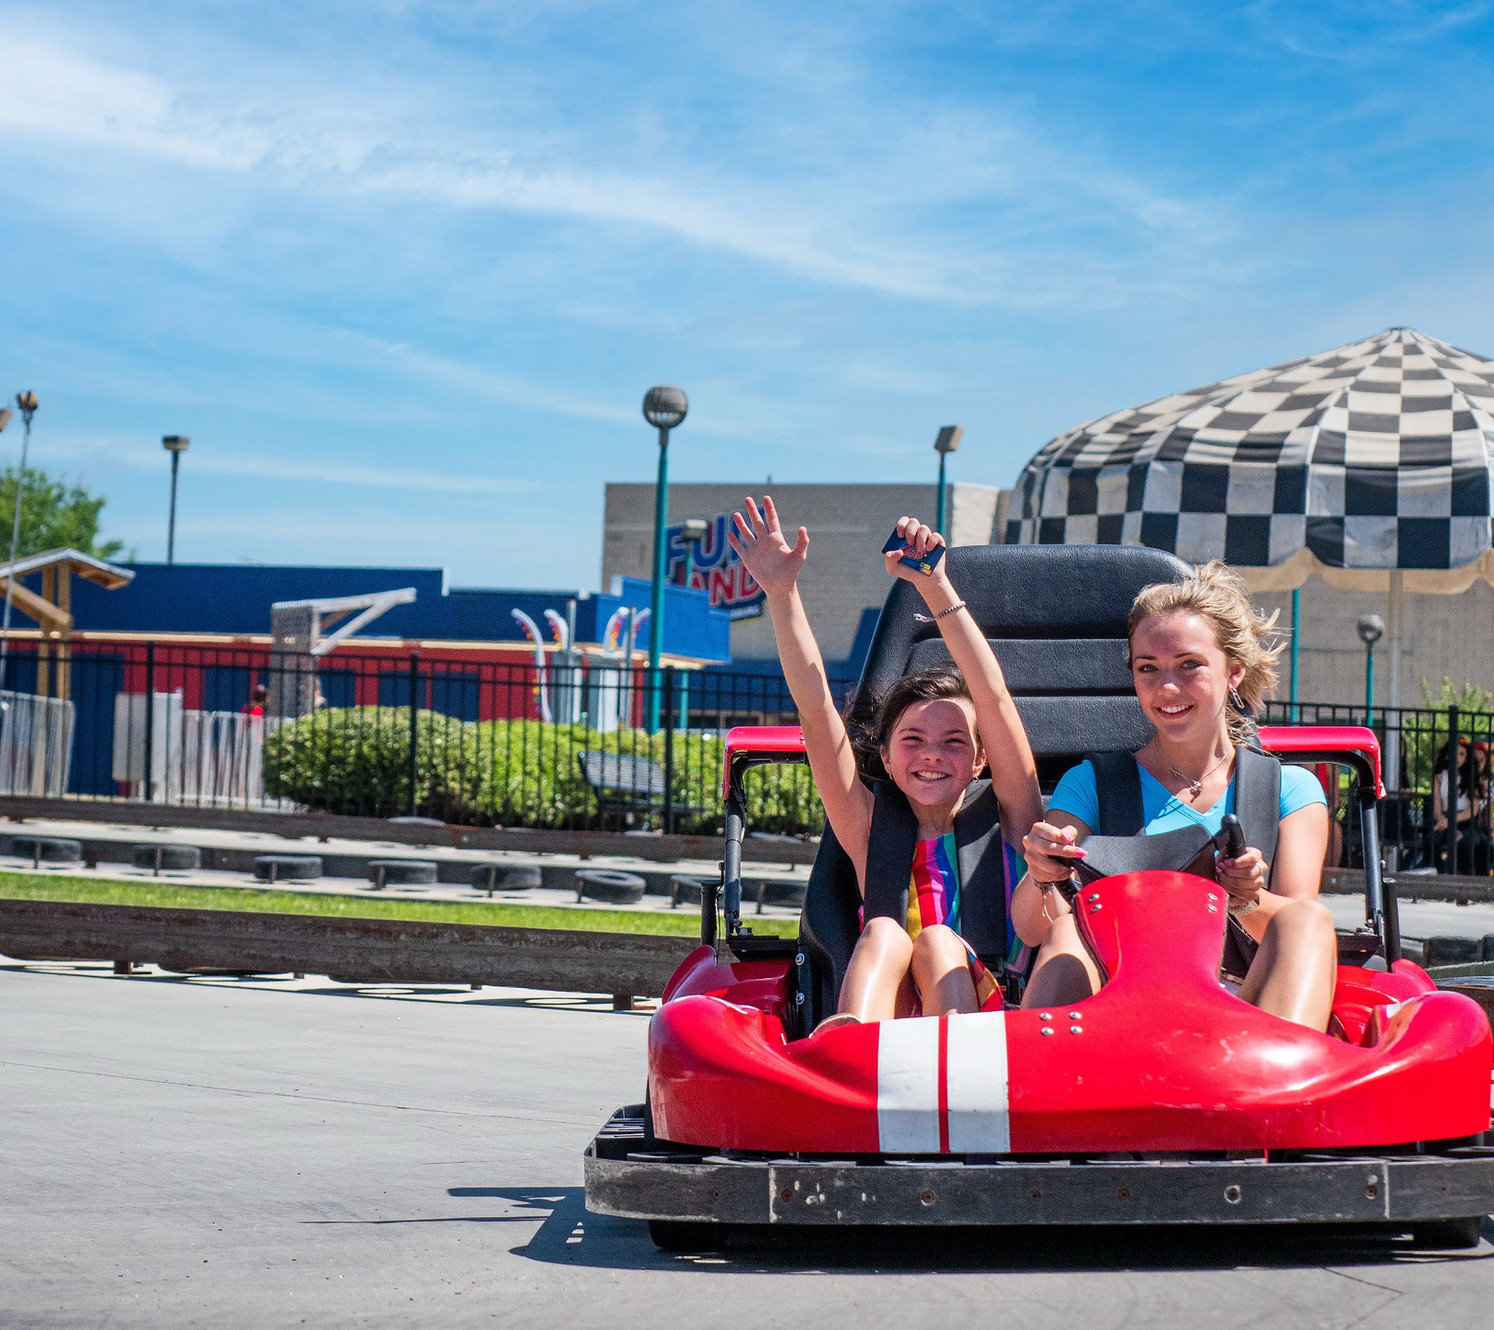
268 1153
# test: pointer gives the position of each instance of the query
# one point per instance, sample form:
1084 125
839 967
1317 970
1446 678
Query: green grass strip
684 922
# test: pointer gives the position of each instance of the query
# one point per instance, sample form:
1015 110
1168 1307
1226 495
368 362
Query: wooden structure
52 608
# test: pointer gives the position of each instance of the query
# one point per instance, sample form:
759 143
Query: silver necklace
1195 787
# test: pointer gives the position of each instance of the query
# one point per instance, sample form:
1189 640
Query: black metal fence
584 743
1434 760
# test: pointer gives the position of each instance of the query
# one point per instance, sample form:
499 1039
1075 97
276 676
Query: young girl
1202 664
930 736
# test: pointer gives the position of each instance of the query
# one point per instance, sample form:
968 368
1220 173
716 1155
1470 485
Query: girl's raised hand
918 539
759 543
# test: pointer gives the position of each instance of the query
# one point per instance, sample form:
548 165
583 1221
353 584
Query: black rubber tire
609 885
287 867
1448 1234
179 858
49 849
507 877
778 891
402 872
685 889
688 1235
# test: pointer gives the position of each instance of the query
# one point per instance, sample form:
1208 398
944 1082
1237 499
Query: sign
715 568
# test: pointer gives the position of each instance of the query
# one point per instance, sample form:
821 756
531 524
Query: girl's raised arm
774 564
1008 754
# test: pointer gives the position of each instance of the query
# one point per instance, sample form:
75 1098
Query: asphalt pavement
265 1153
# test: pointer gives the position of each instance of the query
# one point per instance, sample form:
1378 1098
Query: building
844 581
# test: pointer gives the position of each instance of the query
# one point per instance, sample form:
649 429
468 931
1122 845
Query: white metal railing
36 744
215 758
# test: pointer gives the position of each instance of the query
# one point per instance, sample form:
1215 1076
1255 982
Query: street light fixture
27 402
1371 629
946 443
176 445
664 408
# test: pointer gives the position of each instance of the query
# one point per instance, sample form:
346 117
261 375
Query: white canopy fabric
1352 463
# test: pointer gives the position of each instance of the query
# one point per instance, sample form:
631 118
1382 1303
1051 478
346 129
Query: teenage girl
933 734
1203 664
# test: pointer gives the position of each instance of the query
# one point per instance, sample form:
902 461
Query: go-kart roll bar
1357 748
747 746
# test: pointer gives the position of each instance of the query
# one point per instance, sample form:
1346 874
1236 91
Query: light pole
27 402
1371 630
176 445
946 443
663 408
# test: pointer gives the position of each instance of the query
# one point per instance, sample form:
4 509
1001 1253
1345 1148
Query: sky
403 270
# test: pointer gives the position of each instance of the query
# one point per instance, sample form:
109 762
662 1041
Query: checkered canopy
1375 455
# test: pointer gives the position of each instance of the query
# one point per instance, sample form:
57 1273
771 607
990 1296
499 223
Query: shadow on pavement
570 1236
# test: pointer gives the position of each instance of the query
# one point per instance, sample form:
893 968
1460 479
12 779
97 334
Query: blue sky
403 270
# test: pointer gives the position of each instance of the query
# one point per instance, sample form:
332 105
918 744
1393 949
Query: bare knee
885 937
938 943
1305 920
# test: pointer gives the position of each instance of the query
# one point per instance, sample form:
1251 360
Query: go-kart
1162 1099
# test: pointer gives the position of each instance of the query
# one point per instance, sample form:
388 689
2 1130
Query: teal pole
656 598
939 506
1296 641
1369 685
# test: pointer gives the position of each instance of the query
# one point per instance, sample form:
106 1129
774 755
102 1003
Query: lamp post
176 445
1371 630
664 408
27 402
946 443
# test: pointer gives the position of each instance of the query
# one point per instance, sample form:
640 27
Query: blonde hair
1216 593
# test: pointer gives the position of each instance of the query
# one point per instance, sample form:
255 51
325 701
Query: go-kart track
276 1153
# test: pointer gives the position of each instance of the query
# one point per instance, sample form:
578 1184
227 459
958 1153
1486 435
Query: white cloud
873 221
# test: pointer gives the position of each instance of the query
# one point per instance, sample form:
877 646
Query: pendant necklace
1195 787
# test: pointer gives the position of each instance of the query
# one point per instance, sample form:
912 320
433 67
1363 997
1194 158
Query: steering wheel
1187 850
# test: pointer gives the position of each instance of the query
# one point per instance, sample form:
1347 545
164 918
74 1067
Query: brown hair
871 735
1216 593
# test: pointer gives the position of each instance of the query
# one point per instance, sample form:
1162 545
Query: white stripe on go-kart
968 1062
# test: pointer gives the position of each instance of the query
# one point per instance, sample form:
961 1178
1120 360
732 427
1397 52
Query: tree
54 515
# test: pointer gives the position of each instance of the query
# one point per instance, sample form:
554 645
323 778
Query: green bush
517 773
357 760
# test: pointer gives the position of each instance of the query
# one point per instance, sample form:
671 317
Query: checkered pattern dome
1374 455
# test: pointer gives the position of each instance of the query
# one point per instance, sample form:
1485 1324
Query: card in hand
926 564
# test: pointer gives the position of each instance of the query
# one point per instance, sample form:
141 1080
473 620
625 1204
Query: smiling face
932 753
1182 677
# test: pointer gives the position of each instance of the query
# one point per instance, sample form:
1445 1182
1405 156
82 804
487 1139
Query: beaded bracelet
926 618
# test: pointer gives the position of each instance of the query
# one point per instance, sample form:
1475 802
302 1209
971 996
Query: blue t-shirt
1163 811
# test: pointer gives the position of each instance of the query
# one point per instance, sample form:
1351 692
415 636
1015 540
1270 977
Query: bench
629 785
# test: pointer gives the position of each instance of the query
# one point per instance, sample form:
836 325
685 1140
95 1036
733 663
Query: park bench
628 785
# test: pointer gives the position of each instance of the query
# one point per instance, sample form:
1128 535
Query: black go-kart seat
1055 616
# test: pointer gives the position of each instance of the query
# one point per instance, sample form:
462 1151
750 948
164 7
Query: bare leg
1294 971
1065 971
941 969
877 970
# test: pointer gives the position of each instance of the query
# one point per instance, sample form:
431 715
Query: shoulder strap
1258 799
1118 788
889 853
982 867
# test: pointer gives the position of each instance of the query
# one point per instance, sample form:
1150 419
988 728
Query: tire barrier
287 867
508 877
401 872
46 849
685 889
173 858
609 885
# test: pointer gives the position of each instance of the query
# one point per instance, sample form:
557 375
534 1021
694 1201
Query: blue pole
1296 640
939 506
656 598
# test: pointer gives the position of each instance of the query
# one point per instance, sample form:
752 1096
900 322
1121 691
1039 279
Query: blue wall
236 598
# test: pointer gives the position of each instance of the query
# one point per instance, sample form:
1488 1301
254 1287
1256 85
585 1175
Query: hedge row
521 773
